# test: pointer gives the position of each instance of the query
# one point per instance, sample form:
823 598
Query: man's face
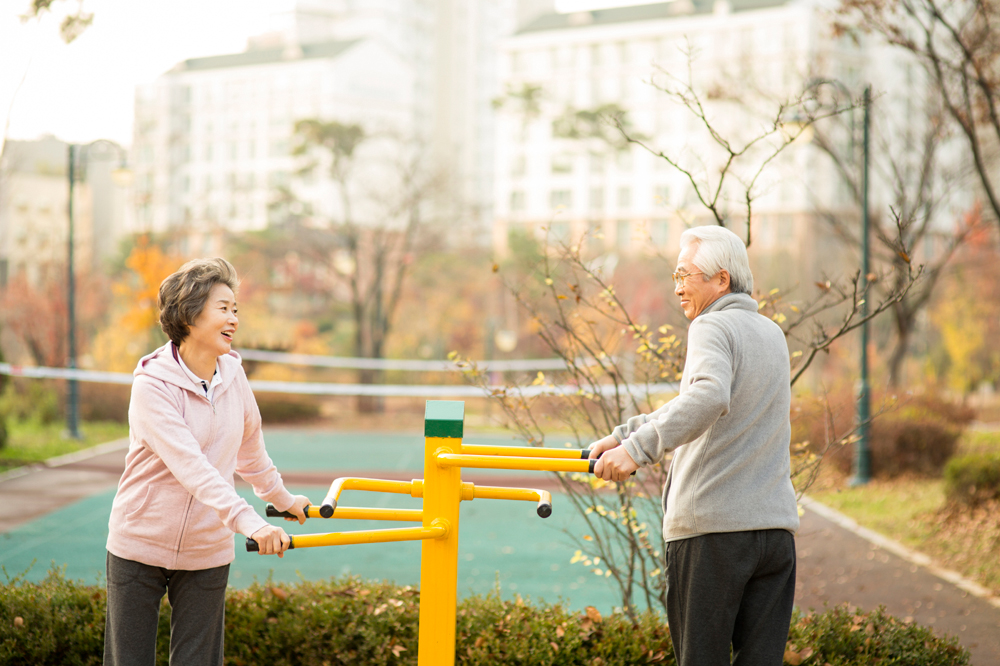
695 292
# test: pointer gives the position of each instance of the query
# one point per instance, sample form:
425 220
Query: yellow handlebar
510 462
329 504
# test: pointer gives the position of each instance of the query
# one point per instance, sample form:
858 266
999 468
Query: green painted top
444 418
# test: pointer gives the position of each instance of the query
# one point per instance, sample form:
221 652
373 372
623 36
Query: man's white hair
720 249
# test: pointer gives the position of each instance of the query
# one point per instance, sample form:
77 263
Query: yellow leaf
792 658
593 614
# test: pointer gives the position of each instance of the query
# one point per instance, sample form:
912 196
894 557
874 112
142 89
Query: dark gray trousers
730 589
197 618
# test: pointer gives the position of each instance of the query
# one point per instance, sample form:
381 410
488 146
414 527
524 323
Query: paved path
31 492
836 564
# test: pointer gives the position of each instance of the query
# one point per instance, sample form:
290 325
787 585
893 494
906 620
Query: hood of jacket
161 364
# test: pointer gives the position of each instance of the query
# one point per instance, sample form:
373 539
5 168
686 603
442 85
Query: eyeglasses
680 277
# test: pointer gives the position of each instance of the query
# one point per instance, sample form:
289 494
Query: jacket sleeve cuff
282 499
250 522
638 455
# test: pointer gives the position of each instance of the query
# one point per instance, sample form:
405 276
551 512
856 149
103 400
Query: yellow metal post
443 429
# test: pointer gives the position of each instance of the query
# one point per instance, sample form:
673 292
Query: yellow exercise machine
442 489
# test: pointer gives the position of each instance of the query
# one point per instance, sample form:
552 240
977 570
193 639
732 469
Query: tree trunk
904 327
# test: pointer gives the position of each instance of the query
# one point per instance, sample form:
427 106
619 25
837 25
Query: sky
84 91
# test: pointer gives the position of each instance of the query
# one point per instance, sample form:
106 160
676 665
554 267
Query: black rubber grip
544 510
593 464
254 547
271 512
327 509
584 454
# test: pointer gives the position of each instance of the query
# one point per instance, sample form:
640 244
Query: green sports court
502 543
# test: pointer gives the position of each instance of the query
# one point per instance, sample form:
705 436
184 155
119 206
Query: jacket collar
160 364
731 302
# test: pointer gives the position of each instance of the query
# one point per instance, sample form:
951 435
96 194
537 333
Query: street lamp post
862 451
77 153
72 391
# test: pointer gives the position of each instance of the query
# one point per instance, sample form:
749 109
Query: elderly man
729 507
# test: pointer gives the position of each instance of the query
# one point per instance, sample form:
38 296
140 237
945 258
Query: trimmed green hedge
973 478
348 621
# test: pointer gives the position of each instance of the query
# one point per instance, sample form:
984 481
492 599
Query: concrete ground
59 511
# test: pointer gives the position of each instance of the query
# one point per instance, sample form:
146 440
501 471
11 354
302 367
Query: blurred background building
213 136
33 211
631 200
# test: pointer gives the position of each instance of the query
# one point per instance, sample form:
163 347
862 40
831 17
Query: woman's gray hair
720 249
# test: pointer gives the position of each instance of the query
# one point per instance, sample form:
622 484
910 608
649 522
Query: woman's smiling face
216 324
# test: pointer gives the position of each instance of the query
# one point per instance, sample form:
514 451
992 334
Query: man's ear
724 279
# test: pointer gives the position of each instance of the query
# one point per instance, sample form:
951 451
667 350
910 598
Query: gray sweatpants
730 589
197 619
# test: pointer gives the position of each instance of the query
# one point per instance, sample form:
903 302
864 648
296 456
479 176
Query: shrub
917 436
286 409
973 478
104 402
347 621
31 400
843 636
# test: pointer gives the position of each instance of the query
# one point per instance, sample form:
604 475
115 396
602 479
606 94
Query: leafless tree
958 43
616 366
371 241
921 179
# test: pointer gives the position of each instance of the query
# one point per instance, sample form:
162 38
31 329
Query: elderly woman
193 422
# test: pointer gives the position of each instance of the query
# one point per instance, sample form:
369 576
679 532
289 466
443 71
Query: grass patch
897 508
31 441
979 441
915 512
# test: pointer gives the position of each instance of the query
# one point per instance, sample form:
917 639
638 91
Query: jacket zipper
180 538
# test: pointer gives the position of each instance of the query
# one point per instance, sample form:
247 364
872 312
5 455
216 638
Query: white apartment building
214 136
34 223
631 200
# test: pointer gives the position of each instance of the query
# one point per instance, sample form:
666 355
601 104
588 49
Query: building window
661 196
786 229
624 160
562 163
597 199
517 201
660 233
596 163
624 198
560 198
559 232
623 234
518 165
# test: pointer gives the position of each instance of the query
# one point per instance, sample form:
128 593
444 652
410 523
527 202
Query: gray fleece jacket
729 425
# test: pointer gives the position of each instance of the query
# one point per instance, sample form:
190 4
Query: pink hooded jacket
176 506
